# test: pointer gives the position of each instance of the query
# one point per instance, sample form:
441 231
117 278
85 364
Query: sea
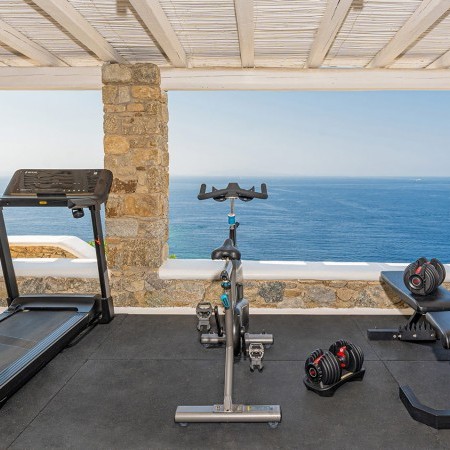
304 219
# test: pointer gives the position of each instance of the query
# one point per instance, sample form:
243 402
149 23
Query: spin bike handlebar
233 190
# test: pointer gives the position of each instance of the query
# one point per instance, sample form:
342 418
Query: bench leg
416 329
436 418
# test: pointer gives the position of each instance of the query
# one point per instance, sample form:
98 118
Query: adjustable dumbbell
349 356
327 367
422 277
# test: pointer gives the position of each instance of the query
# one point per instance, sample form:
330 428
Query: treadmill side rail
28 364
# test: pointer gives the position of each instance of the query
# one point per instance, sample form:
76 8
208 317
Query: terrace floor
120 386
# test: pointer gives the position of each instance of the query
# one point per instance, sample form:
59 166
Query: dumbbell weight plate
323 367
421 277
440 269
350 356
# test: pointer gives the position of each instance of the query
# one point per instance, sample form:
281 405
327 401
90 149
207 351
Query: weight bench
429 322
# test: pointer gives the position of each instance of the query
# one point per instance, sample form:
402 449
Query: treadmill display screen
77 182
57 183
53 182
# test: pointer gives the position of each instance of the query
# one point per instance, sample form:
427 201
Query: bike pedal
204 312
256 354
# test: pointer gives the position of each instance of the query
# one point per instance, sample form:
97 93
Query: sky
244 132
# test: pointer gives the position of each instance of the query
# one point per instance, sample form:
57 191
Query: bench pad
437 301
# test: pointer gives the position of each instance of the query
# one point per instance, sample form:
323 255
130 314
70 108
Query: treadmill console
57 187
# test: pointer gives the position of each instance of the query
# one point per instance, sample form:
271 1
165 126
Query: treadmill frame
87 309
104 307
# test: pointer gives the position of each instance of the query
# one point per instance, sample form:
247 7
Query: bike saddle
226 251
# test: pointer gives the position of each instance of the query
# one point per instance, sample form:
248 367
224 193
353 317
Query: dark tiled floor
120 386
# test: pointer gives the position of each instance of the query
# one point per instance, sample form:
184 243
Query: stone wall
276 294
38 285
135 143
269 294
42 251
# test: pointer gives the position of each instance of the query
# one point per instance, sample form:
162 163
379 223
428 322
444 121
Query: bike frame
228 411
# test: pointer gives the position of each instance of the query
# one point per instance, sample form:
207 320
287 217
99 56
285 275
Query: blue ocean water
313 219
318 219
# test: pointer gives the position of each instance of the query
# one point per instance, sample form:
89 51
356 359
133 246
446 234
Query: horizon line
416 177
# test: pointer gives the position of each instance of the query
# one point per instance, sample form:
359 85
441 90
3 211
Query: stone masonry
269 294
135 143
39 251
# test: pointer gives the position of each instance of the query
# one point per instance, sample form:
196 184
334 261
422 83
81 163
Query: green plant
92 244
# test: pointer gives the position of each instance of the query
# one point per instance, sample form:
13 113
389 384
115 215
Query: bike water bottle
225 301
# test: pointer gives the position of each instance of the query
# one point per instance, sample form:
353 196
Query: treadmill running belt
16 342
32 327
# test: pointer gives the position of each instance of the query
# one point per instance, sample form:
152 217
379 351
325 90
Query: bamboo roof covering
247 37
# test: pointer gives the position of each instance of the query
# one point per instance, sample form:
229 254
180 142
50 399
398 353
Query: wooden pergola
226 44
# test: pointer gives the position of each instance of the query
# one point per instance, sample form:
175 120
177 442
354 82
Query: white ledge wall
85 265
71 244
204 269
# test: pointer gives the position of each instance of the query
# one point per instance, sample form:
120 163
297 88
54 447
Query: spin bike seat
227 251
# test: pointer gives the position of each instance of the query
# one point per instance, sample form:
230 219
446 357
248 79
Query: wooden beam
442 62
71 20
428 12
158 24
335 14
304 80
73 78
18 41
50 78
246 31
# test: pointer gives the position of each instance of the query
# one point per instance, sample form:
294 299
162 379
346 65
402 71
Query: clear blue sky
245 133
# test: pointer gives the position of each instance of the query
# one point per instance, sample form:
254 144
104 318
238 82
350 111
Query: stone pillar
135 142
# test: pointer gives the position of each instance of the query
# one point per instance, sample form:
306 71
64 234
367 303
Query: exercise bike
233 331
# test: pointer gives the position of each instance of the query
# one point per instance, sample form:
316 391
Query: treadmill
35 328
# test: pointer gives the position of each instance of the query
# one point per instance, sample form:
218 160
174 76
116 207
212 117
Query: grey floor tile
363 414
296 336
90 343
168 337
28 402
428 379
131 405
155 337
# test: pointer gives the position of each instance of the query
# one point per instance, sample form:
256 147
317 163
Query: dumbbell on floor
327 370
